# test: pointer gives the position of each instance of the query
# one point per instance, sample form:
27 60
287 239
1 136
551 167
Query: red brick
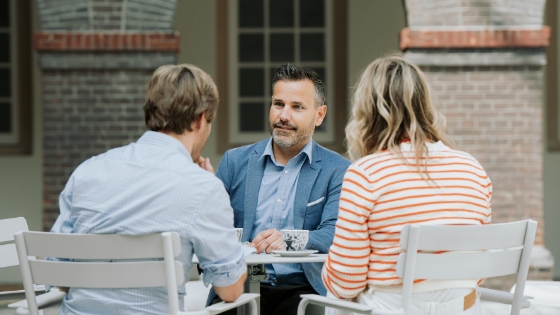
474 39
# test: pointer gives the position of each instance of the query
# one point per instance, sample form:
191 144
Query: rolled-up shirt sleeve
214 240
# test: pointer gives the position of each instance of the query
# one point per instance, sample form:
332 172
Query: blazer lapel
255 171
307 176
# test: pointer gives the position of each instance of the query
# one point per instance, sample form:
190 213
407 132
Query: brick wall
494 113
96 58
484 60
105 15
63 15
85 113
422 13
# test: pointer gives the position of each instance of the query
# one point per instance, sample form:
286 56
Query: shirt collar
432 146
307 149
162 140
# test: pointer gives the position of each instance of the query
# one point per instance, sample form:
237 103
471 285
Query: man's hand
205 164
268 241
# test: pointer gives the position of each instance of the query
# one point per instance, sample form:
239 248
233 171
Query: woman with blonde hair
404 171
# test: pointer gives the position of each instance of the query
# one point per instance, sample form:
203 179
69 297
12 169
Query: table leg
255 274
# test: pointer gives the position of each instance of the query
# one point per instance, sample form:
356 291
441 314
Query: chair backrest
8 253
100 274
471 252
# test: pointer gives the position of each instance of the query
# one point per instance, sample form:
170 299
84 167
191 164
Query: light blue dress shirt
275 207
147 187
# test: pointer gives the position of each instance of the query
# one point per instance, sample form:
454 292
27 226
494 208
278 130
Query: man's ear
321 112
197 124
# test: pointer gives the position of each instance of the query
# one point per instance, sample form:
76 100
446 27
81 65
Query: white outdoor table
256 271
260 259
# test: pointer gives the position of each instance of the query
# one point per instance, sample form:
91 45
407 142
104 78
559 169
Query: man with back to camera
160 183
287 182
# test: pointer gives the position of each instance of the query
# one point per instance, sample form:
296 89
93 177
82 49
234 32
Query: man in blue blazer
287 182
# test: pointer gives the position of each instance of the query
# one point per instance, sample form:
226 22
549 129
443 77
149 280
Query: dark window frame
24 80
340 76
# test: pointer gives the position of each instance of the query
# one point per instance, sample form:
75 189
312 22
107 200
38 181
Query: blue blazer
241 172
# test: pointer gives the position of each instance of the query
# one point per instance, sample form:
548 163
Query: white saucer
301 253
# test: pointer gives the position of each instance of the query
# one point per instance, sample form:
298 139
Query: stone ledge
105 60
474 38
106 41
477 57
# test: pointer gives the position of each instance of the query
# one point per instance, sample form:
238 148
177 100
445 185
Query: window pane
5 47
281 13
312 13
5 86
5 117
251 82
4 13
312 47
251 47
251 13
281 47
251 117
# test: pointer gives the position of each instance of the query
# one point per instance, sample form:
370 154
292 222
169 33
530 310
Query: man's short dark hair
177 96
294 73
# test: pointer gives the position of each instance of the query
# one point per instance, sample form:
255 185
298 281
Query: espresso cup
239 234
295 240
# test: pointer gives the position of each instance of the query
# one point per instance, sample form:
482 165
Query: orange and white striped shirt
380 194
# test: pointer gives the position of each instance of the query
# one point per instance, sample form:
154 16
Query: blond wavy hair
392 102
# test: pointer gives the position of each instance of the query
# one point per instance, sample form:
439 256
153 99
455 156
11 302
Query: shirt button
286 171
279 200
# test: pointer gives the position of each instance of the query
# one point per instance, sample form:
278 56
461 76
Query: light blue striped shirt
147 187
275 207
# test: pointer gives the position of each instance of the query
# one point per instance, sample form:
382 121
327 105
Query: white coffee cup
295 240
239 234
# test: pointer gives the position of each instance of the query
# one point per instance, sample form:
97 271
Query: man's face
293 115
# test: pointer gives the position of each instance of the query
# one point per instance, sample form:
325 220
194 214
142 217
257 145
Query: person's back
154 186
404 172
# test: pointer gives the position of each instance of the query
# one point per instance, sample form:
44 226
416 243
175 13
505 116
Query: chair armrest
243 299
501 297
53 296
328 302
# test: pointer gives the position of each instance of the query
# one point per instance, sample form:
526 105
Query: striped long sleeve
380 194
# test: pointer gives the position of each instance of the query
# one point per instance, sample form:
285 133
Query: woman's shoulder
455 154
375 160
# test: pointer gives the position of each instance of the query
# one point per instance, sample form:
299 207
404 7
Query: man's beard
290 140
197 150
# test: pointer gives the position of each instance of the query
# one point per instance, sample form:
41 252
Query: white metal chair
8 253
155 273
488 251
